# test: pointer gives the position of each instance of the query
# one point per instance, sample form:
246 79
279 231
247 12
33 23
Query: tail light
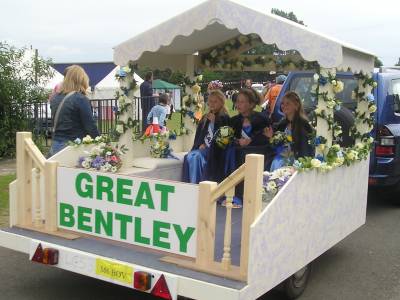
384 151
142 281
386 142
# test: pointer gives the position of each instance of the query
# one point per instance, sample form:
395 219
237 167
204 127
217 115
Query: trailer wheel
295 285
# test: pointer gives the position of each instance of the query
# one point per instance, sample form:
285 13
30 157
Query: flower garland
128 85
329 156
192 103
274 181
88 140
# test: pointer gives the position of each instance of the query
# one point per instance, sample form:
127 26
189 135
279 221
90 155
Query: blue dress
196 160
284 155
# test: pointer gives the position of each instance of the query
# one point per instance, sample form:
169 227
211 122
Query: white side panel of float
312 213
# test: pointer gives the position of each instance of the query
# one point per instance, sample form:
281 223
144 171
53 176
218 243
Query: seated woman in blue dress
206 161
248 127
296 125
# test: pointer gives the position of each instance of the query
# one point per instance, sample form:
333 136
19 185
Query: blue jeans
57 145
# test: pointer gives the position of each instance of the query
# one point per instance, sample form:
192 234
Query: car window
303 87
396 94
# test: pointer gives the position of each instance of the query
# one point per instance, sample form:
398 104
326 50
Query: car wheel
295 285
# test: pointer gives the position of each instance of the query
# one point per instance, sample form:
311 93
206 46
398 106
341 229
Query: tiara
215 85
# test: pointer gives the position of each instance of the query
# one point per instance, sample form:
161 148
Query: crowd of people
252 130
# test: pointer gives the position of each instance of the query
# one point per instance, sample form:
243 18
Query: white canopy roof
216 21
107 87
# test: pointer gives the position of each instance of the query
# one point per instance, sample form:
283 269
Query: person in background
159 111
248 126
295 125
248 83
206 160
71 110
272 94
57 88
147 100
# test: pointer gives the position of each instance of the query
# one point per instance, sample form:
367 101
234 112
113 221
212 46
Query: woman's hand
202 146
211 117
268 132
244 142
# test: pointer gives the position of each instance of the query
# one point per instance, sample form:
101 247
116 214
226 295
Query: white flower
271 186
102 145
338 87
316 77
108 153
98 138
318 110
119 128
103 168
337 132
372 108
214 53
107 166
336 147
87 139
359 145
325 167
315 163
86 164
370 140
126 69
95 151
321 147
375 84
224 131
114 169
78 141
334 82
200 78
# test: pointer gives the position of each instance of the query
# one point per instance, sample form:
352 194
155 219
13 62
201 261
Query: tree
377 63
20 81
290 16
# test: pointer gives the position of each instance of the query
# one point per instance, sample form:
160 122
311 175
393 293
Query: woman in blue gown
249 136
206 160
296 125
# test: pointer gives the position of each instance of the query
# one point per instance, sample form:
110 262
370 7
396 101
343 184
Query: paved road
364 266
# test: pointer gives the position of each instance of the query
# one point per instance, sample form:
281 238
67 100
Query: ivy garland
217 57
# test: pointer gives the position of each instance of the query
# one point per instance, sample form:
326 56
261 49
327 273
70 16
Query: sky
87 30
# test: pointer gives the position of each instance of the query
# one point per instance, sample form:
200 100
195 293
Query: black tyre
345 118
295 285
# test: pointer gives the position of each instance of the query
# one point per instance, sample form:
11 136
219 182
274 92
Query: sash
210 135
244 135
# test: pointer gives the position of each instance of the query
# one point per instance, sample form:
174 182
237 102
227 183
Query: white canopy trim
215 21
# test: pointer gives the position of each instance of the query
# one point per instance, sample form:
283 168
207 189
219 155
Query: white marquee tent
107 87
173 43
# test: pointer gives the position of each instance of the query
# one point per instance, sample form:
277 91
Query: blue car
385 156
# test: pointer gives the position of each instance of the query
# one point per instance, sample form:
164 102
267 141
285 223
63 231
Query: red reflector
142 281
161 289
47 256
380 150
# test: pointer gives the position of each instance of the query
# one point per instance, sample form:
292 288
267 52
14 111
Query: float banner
147 212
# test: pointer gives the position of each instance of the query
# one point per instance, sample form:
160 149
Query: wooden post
253 177
36 199
50 200
24 172
206 225
226 259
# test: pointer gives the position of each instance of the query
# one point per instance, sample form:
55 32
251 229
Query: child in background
157 115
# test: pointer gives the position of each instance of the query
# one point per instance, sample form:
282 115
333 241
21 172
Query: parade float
133 223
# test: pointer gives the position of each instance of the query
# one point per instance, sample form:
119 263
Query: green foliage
290 16
5 180
20 81
377 62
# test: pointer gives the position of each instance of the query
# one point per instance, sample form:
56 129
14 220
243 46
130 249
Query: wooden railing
251 173
35 187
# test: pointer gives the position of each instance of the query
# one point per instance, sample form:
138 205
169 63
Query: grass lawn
4 181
